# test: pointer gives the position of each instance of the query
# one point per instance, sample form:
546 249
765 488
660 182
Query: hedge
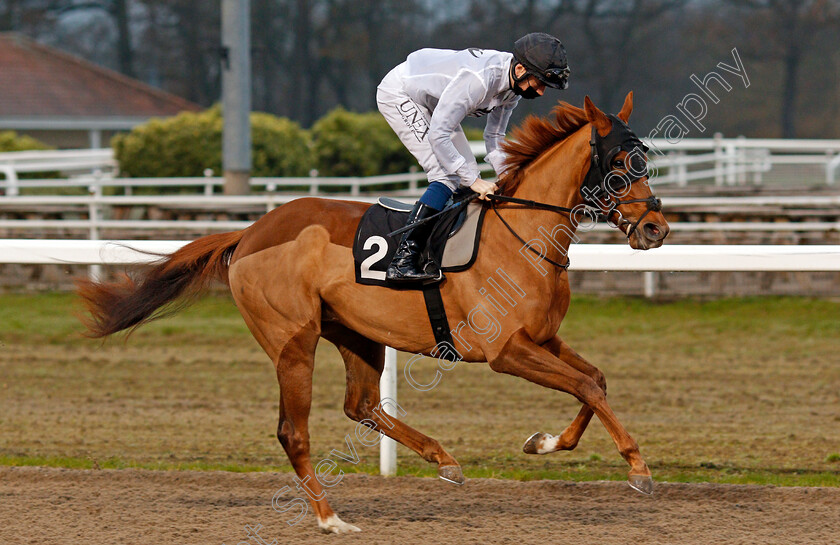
352 144
341 143
189 143
10 141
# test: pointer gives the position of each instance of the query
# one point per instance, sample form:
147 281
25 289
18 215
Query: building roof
42 87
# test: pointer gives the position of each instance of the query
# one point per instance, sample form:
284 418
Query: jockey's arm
494 135
458 99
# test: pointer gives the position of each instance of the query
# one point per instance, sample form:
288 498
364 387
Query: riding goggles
558 78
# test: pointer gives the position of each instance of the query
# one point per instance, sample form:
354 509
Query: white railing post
831 169
412 183
94 271
650 283
388 390
718 137
313 187
741 164
761 163
208 187
11 181
95 188
731 164
682 169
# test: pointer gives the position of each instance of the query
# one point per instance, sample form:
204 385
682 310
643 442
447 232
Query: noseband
598 190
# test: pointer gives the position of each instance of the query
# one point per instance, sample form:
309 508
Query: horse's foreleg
543 443
364 360
523 358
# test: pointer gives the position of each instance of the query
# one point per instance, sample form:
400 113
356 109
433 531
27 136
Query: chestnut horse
291 275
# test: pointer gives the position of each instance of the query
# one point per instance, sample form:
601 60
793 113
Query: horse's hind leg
294 364
543 443
289 334
364 360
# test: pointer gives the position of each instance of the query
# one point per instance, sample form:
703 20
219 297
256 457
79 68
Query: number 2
382 250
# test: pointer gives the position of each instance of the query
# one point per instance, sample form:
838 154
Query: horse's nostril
653 231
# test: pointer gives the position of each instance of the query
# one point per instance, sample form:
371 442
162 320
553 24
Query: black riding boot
403 267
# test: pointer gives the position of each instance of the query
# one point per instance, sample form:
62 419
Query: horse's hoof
451 474
642 483
334 525
536 444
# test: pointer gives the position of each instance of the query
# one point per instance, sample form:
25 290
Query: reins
463 202
535 205
594 188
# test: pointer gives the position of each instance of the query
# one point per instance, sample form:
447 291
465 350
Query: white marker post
388 389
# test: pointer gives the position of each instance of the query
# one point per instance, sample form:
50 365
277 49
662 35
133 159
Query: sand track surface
45 505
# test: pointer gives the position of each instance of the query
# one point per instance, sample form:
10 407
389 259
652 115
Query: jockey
426 98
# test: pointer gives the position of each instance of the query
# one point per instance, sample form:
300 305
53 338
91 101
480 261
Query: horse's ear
596 117
624 114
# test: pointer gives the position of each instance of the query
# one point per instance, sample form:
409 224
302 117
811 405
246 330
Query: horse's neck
554 178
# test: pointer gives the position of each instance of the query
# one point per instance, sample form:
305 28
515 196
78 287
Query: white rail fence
718 160
594 257
738 161
92 163
585 257
95 208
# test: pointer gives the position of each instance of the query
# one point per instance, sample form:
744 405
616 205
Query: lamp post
236 96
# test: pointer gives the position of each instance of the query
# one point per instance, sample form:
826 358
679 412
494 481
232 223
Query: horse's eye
618 164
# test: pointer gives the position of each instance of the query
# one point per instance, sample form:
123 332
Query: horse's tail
131 302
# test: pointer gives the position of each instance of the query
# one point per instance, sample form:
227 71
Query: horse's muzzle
650 234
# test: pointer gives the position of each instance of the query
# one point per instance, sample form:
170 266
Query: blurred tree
788 31
9 13
196 29
118 12
269 43
373 37
613 32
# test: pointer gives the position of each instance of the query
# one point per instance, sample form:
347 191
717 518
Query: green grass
729 391
578 473
50 318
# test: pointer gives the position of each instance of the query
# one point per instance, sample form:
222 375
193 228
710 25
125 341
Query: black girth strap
437 314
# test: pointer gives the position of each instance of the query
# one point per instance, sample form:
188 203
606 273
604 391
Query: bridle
597 188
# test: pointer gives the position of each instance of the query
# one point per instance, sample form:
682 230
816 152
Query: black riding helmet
543 57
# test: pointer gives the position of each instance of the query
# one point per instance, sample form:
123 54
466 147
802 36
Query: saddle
452 245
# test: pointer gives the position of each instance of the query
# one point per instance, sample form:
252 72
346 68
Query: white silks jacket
456 84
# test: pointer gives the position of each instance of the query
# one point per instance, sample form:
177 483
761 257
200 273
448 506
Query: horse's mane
536 134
